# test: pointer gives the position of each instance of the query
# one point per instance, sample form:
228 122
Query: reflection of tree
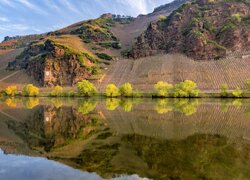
186 106
198 156
126 104
112 103
163 106
85 106
57 102
11 102
237 103
30 102
224 105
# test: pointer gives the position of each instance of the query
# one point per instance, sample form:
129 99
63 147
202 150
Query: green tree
186 89
126 90
112 91
30 90
57 91
224 90
163 89
11 91
86 88
237 92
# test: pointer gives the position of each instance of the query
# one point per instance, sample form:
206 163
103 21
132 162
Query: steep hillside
202 29
18 41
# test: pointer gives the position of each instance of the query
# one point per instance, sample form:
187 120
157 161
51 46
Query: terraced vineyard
209 75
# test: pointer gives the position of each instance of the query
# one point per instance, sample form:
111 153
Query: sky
22 17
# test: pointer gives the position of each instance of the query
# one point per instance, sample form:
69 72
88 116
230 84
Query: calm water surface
124 139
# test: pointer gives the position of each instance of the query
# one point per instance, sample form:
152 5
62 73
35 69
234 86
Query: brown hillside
202 30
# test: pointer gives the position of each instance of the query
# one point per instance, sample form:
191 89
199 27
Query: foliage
137 94
236 17
114 44
86 88
112 91
237 92
30 90
248 83
126 90
162 18
11 91
186 89
163 89
57 91
224 90
104 56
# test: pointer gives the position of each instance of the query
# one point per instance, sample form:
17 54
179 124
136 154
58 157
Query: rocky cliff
52 64
203 29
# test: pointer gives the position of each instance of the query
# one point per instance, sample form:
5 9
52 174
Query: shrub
126 90
224 90
237 92
137 94
86 88
186 89
163 88
30 90
11 91
104 56
57 91
248 83
112 91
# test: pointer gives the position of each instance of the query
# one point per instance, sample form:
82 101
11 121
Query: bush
112 91
30 90
86 88
186 89
224 90
237 92
248 83
57 91
163 89
11 91
137 94
104 56
126 90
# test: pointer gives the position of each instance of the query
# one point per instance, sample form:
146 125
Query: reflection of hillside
208 118
190 139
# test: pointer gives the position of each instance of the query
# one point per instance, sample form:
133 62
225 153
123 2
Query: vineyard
209 75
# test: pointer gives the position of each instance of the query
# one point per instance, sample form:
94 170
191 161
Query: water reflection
159 139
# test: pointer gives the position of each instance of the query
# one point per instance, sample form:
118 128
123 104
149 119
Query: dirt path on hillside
9 76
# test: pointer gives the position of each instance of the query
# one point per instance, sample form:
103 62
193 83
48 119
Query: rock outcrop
202 30
55 64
